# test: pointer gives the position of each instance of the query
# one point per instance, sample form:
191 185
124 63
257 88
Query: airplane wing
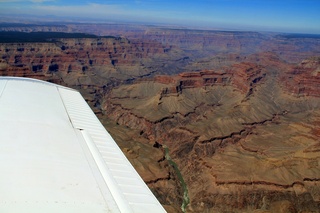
55 155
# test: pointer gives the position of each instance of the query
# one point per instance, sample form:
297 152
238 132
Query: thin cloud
89 10
92 11
111 9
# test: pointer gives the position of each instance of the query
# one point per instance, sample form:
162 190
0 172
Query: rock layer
304 79
227 135
243 128
201 43
94 66
71 59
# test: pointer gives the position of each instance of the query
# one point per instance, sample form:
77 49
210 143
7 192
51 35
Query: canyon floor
213 121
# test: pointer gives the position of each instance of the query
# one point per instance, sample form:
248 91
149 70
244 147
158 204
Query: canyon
238 113
237 146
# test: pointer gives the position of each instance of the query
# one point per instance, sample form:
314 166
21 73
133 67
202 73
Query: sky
299 16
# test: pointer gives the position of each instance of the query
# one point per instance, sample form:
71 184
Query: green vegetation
186 199
49 37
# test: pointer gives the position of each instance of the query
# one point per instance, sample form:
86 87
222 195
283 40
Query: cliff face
94 66
67 60
292 48
243 128
242 76
200 43
224 128
304 79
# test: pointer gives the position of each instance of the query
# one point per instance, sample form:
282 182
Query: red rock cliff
108 56
304 79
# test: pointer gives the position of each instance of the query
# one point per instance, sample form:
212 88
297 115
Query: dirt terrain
213 121
242 138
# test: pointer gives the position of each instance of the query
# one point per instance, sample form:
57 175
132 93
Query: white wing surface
55 155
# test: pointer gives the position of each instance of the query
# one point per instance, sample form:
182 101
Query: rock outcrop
106 57
241 124
224 129
242 76
304 79
199 43
94 66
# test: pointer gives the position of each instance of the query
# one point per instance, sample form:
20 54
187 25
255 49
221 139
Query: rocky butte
242 139
213 121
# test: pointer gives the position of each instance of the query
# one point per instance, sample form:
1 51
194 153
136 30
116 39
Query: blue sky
268 15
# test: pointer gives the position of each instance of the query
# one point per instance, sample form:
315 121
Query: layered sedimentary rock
290 47
226 135
242 76
304 79
93 66
199 43
150 163
73 59
21 27
242 128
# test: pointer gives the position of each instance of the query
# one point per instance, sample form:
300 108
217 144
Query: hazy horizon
293 16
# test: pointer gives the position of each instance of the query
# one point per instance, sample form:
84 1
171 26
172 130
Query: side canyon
237 112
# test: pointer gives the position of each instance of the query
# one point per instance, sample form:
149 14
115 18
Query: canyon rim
228 119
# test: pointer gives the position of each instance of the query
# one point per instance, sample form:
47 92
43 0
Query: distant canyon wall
243 128
290 47
107 57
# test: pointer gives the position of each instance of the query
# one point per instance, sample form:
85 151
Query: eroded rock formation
304 79
70 60
243 128
202 43
226 135
94 66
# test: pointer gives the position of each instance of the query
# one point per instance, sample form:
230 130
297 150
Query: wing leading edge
56 156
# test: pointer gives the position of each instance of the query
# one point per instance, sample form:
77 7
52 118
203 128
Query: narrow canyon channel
185 200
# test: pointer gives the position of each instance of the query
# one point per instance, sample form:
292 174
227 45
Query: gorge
238 112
